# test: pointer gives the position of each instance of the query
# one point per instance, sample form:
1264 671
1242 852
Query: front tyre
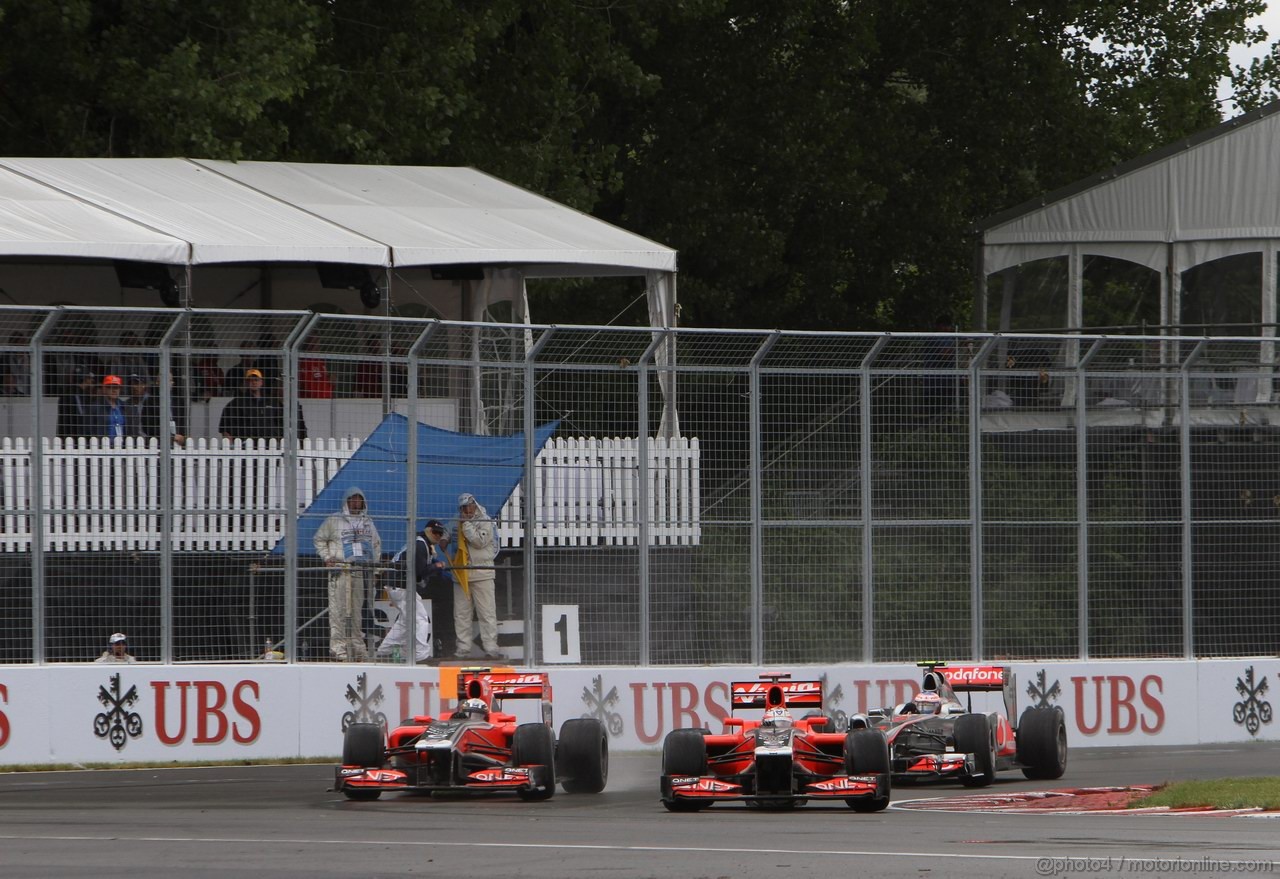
684 752
973 736
362 745
535 745
866 752
584 756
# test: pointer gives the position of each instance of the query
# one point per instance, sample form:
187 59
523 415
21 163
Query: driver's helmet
927 702
473 708
776 718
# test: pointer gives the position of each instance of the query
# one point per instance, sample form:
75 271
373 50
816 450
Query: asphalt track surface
283 822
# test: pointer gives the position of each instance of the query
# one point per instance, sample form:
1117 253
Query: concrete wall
68 713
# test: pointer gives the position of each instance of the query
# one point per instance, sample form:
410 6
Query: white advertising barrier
143 712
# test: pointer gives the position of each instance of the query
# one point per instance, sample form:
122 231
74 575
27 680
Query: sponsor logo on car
846 784
973 674
504 774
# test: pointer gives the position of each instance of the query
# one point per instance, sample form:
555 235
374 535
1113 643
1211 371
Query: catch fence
705 496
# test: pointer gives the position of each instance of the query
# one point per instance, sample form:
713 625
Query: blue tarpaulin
489 467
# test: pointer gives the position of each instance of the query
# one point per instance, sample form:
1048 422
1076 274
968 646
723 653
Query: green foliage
152 77
817 163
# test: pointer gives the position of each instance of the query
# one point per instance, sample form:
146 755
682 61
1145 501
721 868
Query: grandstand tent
1210 196
458 223
411 242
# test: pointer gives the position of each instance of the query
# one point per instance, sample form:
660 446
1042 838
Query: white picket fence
103 496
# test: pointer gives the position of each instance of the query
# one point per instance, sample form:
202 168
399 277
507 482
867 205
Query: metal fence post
867 511
531 497
1184 451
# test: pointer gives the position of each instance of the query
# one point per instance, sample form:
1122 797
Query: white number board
560 634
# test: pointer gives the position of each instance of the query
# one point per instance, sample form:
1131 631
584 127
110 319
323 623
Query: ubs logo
117 723
1251 711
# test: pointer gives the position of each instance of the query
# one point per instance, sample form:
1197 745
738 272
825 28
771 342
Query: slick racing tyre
362 745
583 756
866 752
684 752
535 745
973 736
1042 743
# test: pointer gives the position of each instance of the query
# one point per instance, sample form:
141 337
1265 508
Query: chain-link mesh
659 496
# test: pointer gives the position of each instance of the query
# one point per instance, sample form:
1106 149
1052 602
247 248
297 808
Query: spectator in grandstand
348 544
474 572
146 406
206 379
313 375
113 417
76 407
117 651
126 362
267 364
256 414
15 380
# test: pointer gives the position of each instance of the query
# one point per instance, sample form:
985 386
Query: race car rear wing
982 678
963 678
520 686
772 693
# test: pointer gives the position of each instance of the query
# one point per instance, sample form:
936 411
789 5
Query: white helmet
928 702
776 717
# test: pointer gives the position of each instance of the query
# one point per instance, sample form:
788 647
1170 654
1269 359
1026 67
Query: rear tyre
684 752
535 745
583 756
973 736
866 752
1042 743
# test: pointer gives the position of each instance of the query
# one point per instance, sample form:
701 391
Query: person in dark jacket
431 570
75 407
256 414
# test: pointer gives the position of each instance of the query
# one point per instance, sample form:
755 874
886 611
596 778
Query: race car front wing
491 778
710 788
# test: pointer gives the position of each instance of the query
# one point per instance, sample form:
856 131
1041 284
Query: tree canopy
817 163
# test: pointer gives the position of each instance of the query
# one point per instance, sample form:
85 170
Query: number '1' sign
560 634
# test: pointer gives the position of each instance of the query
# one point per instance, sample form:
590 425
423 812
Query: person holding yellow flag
473 571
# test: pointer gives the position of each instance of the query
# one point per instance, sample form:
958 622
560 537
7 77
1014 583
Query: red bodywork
775 759
459 753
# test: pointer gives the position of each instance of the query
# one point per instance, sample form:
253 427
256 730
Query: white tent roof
1206 197
41 222
436 216
182 211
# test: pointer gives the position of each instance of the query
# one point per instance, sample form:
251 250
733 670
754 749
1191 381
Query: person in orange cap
112 417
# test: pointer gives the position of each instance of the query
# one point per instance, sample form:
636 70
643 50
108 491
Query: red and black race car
478 747
936 736
777 761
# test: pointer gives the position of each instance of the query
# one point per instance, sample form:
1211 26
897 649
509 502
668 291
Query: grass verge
1221 793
